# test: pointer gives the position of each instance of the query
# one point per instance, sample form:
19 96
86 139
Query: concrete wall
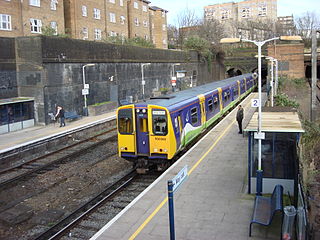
50 70
8 80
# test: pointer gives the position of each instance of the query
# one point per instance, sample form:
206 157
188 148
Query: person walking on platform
240 118
60 114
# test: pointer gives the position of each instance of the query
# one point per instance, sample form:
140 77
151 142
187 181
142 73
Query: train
153 132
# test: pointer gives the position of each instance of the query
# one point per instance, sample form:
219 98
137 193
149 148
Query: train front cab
145 134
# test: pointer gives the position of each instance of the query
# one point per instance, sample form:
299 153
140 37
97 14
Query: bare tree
211 30
306 23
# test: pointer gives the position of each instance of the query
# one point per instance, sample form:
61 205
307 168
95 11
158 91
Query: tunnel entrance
232 72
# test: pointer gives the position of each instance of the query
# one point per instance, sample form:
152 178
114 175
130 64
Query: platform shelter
282 128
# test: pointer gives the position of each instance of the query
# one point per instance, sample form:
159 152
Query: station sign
174 81
180 177
86 86
85 91
255 103
181 74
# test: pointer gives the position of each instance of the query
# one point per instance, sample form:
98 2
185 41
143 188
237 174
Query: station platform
14 139
212 203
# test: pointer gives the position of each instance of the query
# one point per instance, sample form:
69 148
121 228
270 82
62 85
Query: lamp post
274 77
259 135
143 82
85 90
173 76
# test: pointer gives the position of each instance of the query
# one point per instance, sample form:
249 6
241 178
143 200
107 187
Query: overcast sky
285 7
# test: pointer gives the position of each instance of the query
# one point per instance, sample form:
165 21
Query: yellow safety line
135 234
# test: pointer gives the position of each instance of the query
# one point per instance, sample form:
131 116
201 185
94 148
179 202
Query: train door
142 133
202 109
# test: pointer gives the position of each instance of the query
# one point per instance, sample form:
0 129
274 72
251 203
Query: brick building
158 28
81 19
290 59
27 18
242 11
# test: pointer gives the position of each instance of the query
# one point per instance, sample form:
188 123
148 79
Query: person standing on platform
240 118
60 114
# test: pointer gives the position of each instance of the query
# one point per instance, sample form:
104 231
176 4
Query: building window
5 22
163 14
135 5
136 21
96 13
84 11
97 34
53 5
245 12
112 34
112 1
146 37
35 25
54 26
85 33
152 13
112 17
164 41
163 27
122 20
144 8
121 3
145 23
262 11
225 14
35 3
152 25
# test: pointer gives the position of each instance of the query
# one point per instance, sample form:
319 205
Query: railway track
85 221
49 161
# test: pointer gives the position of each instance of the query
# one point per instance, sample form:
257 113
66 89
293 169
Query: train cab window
159 120
194 115
210 105
125 123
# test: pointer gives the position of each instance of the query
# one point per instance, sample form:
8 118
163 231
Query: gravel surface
50 196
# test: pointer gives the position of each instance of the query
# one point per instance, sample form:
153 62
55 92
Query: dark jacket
240 114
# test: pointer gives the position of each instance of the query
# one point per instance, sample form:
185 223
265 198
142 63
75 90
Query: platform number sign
255 103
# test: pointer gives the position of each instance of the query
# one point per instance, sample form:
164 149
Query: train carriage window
194 115
125 123
210 105
159 119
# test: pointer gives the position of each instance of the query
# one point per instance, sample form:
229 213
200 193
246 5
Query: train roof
176 97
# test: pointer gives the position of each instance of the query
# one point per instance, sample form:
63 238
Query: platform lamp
260 135
143 82
85 90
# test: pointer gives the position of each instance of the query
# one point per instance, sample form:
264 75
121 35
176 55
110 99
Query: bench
71 115
265 208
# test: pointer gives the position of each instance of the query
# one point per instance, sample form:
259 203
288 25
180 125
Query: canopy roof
276 120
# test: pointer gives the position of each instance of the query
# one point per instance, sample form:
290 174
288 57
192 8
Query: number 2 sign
255 103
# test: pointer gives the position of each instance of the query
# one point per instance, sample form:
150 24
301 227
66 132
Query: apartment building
82 19
117 18
158 28
30 17
85 19
138 14
241 11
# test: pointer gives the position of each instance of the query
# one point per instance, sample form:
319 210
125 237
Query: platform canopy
276 121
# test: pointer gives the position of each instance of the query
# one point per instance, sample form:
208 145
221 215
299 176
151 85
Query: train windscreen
125 121
159 120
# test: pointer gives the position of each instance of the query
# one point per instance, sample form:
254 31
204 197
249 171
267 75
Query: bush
283 100
137 41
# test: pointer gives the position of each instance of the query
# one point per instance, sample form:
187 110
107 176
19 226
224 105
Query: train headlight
137 110
122 148
165 150
155 150
144 110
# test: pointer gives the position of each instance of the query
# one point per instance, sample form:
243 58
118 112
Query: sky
285 7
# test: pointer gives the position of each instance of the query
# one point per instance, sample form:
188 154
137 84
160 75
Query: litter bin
288 222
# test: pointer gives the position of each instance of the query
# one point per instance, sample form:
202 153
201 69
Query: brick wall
290 59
